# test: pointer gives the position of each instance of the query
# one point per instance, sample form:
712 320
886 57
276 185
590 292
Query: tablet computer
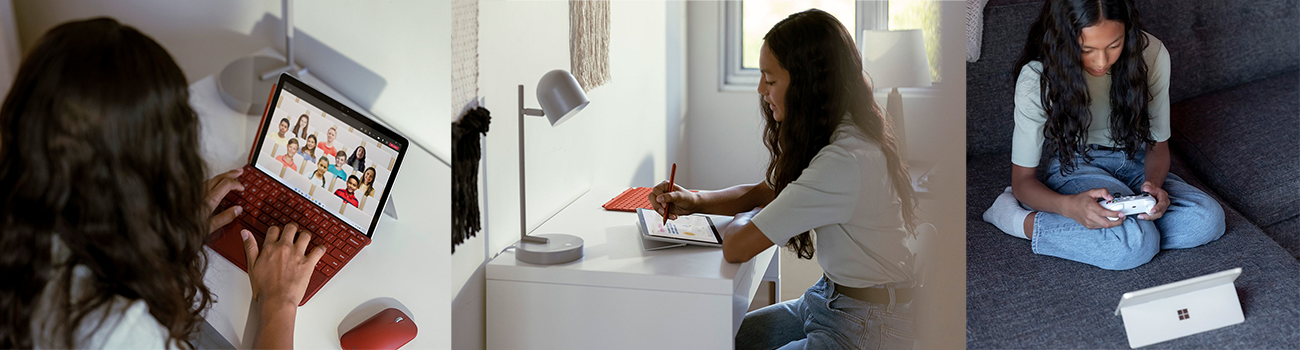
689 229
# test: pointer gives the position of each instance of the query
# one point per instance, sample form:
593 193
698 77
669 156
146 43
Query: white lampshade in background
560 96
895 58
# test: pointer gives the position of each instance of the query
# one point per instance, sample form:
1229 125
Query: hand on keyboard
215 189
279 271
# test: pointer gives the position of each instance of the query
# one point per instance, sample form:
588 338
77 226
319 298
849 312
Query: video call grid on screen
341 188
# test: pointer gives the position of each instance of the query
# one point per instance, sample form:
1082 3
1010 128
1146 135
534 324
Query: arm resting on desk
742 239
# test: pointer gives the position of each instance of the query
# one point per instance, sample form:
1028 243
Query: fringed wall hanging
589 42
466 151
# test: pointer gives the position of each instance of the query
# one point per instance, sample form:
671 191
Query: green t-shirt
1027 138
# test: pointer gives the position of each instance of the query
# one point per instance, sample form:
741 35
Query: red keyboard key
354 242
348 248
339 254
331 261
328 271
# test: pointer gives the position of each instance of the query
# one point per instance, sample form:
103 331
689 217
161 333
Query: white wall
381 54
723 138
401 43
619 140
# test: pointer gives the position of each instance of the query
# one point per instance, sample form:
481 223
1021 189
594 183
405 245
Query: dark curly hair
826 82
1054 41
99 150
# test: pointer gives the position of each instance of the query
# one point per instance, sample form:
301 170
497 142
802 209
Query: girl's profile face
369 175
1101 45
773 82
302 120
321 165
361 153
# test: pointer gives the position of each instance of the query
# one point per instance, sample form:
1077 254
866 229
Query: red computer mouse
388 329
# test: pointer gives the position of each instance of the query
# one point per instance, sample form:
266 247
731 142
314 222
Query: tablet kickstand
657 245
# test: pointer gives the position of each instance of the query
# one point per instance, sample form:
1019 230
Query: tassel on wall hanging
466 151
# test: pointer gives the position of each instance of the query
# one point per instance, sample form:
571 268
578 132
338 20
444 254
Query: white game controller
1129 205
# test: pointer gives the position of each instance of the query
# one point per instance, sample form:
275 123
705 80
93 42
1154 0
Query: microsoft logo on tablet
1183 315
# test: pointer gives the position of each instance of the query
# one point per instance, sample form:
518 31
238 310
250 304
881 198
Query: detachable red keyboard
630 199
267 203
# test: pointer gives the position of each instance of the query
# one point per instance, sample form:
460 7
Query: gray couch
1235 114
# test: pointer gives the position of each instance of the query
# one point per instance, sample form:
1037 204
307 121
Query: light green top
846 198
1027 138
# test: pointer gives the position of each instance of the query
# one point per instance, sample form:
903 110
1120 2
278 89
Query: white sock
1007 214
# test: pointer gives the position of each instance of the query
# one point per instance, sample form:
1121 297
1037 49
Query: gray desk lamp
561 97
245 83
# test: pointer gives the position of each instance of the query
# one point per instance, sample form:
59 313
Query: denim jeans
824 319
1193 218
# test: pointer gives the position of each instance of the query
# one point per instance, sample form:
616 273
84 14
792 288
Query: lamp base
241 84
558 249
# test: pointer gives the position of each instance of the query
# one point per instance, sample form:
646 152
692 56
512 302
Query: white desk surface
378 277
614 257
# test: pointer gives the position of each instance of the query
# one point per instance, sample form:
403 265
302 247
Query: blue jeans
824 319
1193 218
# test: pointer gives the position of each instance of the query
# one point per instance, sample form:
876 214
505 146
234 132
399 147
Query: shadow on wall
356 82
645 173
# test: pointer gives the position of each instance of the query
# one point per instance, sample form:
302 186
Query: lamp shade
560 96
895 58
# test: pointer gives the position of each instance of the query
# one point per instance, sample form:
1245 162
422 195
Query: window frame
871 15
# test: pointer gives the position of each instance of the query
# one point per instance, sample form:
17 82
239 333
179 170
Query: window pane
919 14
758 16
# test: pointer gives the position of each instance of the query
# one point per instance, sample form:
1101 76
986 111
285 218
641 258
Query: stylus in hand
669 208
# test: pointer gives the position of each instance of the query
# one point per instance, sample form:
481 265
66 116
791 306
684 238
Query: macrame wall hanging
466 131
589 42
466 151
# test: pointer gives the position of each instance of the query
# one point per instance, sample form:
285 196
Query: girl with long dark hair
1092 89
834 171
358 158
105 210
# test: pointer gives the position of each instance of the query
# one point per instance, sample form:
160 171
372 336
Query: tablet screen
330 155
697 228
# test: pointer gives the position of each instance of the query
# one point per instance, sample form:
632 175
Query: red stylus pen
669 207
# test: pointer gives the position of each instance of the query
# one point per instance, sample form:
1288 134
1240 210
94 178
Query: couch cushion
1287 234
1016 299
1242 142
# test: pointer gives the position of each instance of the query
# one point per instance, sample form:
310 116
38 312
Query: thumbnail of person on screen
287 158
301 127
328 144
337 167
350 194
320 176
358 158
309 148
283 136
368 182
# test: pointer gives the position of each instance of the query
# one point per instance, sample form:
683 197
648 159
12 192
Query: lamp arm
523 217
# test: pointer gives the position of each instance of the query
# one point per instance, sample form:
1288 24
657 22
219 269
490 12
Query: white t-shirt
846 198
126 323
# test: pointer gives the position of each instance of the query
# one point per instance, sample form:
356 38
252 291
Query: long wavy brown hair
1054 41
99 150
826 82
